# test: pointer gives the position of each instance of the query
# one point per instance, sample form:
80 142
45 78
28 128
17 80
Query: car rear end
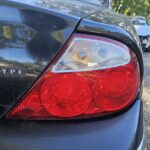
71 78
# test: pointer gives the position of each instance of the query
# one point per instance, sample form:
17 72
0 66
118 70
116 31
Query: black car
71 76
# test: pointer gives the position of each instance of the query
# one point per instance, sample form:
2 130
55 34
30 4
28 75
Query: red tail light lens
94 76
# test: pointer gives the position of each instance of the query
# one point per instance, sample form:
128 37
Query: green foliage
132 7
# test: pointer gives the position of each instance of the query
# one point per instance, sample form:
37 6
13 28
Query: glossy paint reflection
29 40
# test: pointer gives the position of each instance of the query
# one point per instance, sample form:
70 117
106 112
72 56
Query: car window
103 3
141 22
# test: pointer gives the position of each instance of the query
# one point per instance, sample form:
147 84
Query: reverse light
93 76
86 54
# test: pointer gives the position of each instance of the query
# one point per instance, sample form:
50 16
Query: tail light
94 76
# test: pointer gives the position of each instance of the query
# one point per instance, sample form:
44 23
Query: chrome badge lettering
11 71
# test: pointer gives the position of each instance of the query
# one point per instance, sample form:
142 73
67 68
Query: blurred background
132 7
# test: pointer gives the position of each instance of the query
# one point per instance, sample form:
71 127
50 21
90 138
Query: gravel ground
146 98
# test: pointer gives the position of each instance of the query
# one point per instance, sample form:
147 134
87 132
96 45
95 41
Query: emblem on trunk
11 71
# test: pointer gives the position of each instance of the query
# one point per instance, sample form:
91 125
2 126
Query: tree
132 7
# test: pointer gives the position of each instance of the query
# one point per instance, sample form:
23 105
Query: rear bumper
141 146
123 132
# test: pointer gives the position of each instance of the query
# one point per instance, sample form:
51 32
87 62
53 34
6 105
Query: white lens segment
85 54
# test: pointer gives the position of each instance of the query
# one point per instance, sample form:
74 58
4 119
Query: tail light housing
92 76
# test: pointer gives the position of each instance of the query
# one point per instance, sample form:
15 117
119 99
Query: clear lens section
85 54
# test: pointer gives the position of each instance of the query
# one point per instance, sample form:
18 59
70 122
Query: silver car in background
143 30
